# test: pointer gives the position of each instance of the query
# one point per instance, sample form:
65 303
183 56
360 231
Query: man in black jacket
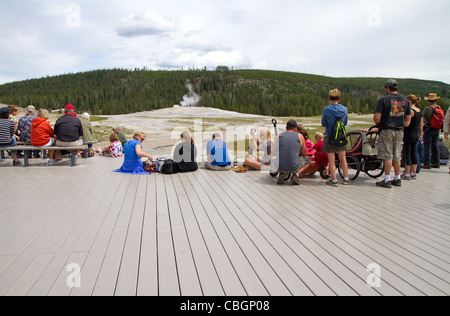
68 129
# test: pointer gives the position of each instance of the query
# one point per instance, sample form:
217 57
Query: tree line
271 93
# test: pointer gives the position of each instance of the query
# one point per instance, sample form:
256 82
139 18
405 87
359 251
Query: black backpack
169 167
338 136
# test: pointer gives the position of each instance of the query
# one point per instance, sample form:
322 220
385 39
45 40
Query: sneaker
295 180
281 178
413 176
426 166
436 165
51 162
384 184
347 182
397 183
16 162
406 177
332 183
37 156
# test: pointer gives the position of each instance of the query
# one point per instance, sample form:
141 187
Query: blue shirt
331 114
132 163
217 149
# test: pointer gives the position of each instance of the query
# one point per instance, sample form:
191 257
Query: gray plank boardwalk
218 234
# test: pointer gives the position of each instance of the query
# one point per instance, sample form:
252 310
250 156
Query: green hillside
273 93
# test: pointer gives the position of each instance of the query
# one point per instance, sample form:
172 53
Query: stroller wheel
323 173
354 167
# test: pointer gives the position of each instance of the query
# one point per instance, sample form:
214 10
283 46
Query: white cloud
148 23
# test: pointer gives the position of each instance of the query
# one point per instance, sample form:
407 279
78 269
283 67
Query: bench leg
25 159
73 158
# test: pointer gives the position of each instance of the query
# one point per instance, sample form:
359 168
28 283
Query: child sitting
319 160
115 149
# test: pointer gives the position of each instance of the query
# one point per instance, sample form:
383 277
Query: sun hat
31 108
433 97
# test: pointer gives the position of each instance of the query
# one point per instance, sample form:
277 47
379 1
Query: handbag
168 167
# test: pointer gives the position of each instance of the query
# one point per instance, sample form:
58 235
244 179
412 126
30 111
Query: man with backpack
392 115
433 117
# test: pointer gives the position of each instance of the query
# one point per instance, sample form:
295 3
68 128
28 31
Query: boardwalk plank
219 233
167 269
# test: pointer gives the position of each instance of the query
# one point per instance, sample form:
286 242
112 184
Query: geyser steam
190 99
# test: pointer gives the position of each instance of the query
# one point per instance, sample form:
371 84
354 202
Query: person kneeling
290 147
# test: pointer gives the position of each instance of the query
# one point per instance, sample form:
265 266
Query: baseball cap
291 124
5 110
391 83
69 107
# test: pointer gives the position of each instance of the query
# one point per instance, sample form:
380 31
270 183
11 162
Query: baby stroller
362 154
275 173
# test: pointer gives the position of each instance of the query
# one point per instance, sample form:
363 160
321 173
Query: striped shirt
6 131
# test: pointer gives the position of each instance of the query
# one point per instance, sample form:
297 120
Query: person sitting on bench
68 129
7 137
42 134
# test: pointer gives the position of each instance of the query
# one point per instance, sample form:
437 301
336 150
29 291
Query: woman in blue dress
133 154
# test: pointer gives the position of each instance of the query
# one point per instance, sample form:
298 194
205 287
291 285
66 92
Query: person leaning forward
392 114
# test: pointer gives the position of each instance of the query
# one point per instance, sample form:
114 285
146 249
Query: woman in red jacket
42 134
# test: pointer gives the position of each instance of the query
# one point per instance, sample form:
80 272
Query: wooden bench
30 148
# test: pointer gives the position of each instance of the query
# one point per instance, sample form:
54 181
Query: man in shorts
392 115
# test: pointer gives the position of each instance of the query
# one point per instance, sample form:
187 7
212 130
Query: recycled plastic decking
214 234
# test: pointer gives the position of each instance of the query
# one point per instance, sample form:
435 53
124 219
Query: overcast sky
339 38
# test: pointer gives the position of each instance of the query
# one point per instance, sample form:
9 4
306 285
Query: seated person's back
68 129
185 154
217 150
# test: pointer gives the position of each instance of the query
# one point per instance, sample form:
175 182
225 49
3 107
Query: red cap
70 107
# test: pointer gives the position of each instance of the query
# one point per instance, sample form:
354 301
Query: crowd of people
402 126
35 129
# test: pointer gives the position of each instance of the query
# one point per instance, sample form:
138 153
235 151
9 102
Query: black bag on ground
338 136
169 167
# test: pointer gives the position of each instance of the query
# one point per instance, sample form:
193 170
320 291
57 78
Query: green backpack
338 136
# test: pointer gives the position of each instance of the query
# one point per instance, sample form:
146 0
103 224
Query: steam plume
190 99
